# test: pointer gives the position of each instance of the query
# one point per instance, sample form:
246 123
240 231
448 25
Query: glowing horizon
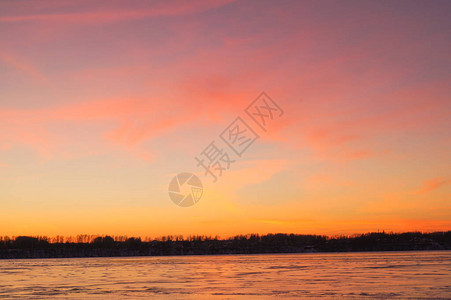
102 104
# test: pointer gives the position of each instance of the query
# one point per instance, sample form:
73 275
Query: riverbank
106 246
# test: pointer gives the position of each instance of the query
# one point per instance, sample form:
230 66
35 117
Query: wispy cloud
115 14
433 184
20 65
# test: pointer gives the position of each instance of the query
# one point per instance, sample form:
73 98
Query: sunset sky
102 103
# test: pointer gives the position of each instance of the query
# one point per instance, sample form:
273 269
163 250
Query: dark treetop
98 246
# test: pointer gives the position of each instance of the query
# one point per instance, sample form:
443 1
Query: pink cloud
124 122
342 130
433 184
21 66
118 13
40 128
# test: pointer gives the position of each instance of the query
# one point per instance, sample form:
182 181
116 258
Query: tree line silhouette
107 246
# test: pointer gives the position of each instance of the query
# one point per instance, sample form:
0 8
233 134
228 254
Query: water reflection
350 275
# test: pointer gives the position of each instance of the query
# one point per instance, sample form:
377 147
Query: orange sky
103 102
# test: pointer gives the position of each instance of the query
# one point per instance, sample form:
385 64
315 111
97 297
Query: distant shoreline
24 247
232 254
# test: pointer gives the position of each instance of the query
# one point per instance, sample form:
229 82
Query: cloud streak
433 184
159 9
